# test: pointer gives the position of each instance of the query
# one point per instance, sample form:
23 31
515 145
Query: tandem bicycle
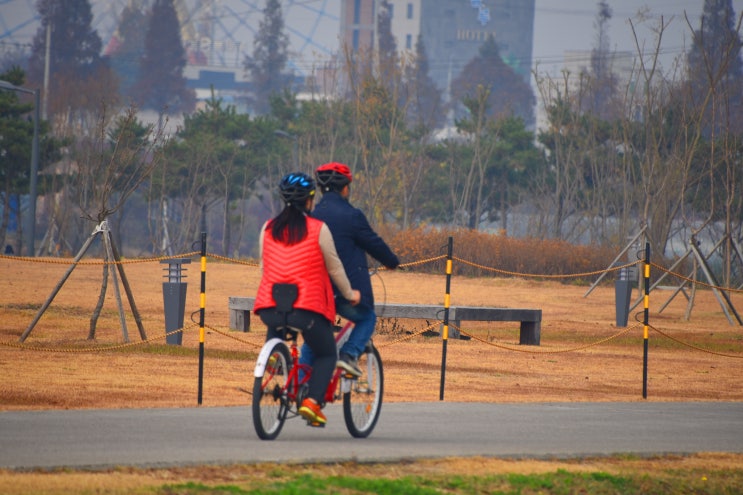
281 381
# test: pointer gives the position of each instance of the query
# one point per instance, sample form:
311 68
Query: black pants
317 332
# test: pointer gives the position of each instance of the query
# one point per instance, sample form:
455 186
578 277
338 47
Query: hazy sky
561 25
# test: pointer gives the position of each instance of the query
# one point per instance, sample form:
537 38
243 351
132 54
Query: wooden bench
530 319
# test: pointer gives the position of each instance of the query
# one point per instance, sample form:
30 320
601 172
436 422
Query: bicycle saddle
284 295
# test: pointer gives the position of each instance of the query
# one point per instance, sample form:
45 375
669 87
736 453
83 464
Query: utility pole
46 66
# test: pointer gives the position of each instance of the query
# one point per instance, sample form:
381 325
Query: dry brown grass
57 367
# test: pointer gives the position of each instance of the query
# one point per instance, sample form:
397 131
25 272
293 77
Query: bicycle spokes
362 398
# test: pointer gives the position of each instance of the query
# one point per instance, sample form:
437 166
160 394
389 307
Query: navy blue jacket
354 238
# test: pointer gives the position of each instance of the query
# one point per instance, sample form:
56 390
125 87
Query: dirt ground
583 356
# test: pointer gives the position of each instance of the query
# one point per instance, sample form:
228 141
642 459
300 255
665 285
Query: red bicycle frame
294 383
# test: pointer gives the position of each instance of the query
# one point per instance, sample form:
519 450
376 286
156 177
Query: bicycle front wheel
362 402
270 402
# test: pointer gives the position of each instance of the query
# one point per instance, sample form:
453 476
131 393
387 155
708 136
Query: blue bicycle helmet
296 187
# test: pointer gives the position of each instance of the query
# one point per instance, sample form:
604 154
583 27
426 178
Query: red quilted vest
301 264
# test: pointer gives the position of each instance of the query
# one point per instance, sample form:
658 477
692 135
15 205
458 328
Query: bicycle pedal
315 424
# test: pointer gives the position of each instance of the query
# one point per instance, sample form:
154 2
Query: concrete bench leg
530 333
240 320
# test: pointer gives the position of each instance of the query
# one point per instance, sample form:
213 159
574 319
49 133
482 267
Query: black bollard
623 294
174 299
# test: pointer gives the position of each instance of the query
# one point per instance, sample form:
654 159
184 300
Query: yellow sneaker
310 410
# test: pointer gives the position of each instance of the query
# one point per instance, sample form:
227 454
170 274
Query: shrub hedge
484 254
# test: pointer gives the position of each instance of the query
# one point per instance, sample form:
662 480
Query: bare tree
478 128
560 188
379 133
111 164
715 82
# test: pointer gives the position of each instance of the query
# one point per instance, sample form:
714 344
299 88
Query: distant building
452 31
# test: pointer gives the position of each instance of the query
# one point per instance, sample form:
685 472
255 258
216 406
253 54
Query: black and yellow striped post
202 306
445 329
646 321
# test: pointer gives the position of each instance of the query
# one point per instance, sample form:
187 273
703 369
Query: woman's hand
356 298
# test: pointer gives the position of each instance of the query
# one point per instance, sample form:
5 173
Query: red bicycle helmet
333 176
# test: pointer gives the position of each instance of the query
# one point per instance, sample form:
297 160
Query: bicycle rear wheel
362 402
270 402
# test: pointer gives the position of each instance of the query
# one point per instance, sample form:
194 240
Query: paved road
218 435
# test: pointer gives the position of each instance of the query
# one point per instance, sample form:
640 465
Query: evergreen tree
12 56
79 77
387 46
74 46
509 94
161 85
16 145
16 134
715 66
127 47
603 82
270 54
218 157
425 105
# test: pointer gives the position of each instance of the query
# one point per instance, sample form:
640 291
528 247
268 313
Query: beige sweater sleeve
260 244
333 263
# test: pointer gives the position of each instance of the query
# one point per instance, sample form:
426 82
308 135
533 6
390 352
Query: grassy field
583 356
697 474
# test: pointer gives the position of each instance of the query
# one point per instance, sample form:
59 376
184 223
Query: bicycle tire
270 402
362 404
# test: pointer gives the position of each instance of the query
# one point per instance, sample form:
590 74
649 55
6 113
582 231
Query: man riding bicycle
354 239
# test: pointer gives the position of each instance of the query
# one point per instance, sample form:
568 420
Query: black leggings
317 332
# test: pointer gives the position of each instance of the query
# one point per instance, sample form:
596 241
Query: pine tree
509 93
16 132
387 46
127 47
79 78
12 56
75 46
603 80
270 55
425 108
161 85
714 63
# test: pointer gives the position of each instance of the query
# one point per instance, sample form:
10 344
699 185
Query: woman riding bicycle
298 249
